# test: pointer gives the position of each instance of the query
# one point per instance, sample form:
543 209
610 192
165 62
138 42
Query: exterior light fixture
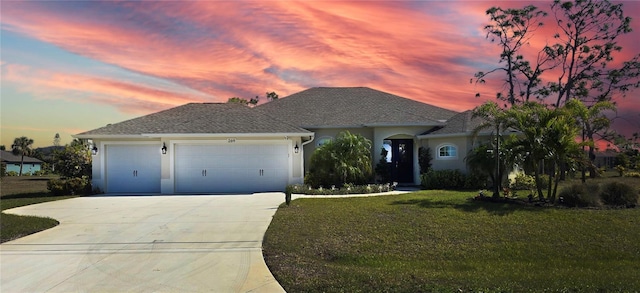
94 150
164 148
296 149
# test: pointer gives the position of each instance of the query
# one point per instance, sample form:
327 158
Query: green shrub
287 193
383 168
12 173
346 159
40 173
632 174
57 187
620 170
345 189
619 194
580 195
443 179
424 159
73 186
523 181
476 180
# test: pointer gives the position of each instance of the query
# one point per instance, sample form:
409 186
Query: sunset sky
72 66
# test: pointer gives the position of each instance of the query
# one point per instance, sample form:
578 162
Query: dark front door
402 160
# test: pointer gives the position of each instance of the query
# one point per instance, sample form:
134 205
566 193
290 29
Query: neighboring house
12 163
221 148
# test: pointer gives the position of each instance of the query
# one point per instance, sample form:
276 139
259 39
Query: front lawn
441 241
22 191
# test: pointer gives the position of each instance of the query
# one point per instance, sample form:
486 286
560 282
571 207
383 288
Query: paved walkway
144 244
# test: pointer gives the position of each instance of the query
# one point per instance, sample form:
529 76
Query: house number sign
231 140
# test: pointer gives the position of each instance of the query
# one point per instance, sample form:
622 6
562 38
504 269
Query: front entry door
402 160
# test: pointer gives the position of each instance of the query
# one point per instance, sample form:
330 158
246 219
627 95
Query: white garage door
133 168
230 168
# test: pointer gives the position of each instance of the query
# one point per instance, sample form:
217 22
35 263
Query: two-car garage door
223 168
198 168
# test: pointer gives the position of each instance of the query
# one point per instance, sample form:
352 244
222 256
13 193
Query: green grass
441 241
22 191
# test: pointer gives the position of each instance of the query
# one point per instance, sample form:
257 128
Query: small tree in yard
74 161
347 159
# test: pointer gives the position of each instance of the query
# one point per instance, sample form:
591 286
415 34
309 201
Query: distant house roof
459 124
199 118
353 107
9 157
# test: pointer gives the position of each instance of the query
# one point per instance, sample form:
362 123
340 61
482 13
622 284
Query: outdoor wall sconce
296 149
164 148
94 150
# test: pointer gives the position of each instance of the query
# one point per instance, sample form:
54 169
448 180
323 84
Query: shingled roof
199 118
9 157
353 107
462 123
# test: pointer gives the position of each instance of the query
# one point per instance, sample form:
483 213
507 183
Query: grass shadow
500 208
27 195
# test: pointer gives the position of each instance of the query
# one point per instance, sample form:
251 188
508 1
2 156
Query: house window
323 140
447 152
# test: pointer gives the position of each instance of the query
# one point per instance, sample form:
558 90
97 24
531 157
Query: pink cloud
127 97
426 51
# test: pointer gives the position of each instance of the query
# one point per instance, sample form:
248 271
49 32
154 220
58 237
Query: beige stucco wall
464 144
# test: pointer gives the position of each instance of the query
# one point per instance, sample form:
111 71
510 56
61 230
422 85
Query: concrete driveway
144 244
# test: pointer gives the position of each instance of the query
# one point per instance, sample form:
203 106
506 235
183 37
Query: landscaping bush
443 179
632 174
523 181
333 190
69 186
580 195
383 168
619 194
40 173
424 159
475 180
620 169
346 159
12 173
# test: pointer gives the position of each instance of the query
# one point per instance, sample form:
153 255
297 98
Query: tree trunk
21 164
536 174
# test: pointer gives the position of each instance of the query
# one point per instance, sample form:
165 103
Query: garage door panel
133 168
231 168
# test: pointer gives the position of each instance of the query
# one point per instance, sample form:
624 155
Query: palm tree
22 146
494 118
346 159
353 157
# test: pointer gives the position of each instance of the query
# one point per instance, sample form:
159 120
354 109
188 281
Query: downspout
311 138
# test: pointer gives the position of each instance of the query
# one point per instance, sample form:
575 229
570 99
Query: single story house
12 163
232 148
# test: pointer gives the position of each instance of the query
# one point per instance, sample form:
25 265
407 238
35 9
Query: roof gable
353 106
460 123
199 118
